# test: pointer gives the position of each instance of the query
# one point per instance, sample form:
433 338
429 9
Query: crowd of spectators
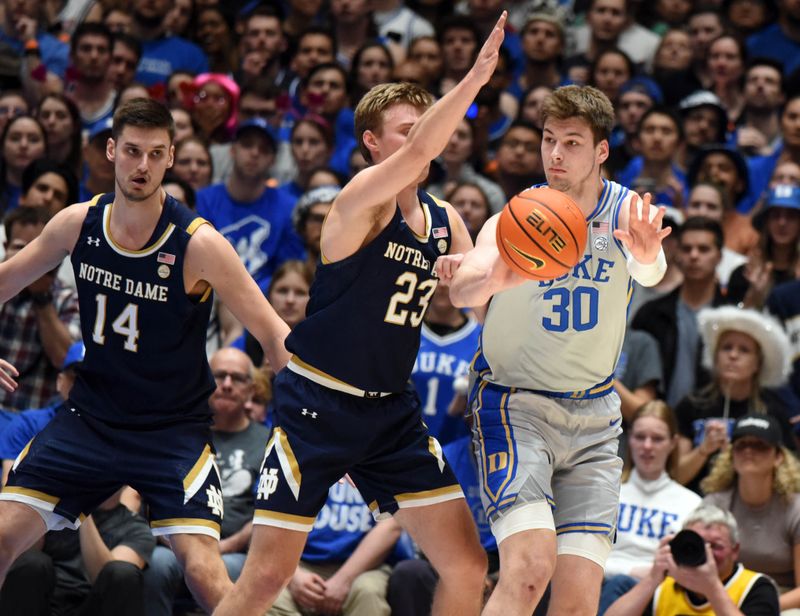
262 92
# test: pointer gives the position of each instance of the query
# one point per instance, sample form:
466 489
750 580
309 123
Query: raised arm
482 272
211 258
380 183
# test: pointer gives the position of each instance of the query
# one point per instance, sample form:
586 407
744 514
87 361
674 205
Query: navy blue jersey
145 337
365 311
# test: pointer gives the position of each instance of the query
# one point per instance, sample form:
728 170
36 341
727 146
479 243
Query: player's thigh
318 435
516 449
66 470
20 527
446 534
587 501
173 469
404 467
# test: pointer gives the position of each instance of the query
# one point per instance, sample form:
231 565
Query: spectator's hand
307 589
337 587
759 275
751 139
7 375
714 438
697 579
446 267
42 285
675 187
662 561
253 63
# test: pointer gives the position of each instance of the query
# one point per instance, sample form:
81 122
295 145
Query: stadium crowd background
707 96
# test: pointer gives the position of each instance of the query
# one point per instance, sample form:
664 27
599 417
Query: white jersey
564 337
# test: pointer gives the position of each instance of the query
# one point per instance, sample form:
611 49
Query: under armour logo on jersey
267 483
93 241
214 500
312 413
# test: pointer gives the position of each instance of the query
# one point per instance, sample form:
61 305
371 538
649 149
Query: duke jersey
564 336
441 359
361 333
145 337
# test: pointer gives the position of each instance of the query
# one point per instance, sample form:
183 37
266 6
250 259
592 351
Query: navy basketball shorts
77 462
320 434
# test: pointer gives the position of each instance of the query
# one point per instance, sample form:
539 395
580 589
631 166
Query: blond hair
584 102
785 479
660 410
371 107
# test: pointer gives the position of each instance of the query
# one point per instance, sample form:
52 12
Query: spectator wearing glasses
757 479
239 444
213 106
12 104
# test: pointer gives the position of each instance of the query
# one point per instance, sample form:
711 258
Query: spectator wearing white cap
747 353
757 479
308 216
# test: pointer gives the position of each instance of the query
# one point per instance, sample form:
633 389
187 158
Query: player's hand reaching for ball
446 267
486 61
643 236
7 375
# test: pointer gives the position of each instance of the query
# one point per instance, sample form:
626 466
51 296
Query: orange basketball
541 233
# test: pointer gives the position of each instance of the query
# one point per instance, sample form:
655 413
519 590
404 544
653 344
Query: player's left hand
446 267
644 236
336 590
7 375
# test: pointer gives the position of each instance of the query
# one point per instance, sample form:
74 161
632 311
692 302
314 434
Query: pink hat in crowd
230 86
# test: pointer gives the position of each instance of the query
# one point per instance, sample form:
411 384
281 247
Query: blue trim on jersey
615 219
592 528
603 388
601 202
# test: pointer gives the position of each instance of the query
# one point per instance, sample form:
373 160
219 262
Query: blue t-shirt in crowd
627 177
461 459
341 525
261 231
439 361
54 53
22 428
771 42
162 57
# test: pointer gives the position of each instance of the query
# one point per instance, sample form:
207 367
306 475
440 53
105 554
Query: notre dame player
138 414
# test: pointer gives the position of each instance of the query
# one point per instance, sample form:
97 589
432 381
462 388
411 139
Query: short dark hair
457 22
664 111
260 86
86 28
142 113
131 42
24 216
764 61
40 167
701 223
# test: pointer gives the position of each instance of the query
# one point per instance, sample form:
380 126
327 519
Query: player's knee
528 569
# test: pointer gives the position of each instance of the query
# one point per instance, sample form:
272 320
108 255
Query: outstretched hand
487 58
644 236
7 375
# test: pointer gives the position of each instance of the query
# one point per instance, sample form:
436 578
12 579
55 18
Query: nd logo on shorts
287 462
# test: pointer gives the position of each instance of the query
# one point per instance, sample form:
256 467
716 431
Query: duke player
138 413
345 404
546 418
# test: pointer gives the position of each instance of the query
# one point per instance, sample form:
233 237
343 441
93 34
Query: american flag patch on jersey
439 232
599 227
165 257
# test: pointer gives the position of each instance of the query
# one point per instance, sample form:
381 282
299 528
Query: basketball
541 233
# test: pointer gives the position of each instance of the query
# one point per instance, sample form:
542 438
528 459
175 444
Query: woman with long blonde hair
757 479
651 503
